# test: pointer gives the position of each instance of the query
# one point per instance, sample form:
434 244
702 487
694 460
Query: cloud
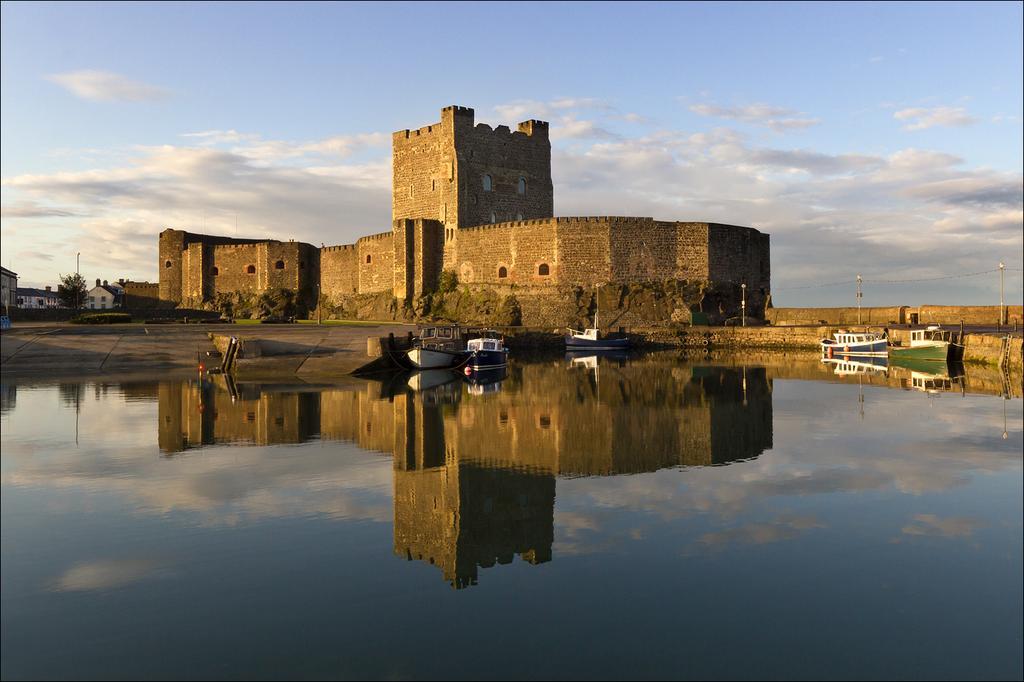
275 189
105 574
952 527
920 118
104 86
31 209
778 119
519 110
830 215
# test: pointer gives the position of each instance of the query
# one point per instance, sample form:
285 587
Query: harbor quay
336 350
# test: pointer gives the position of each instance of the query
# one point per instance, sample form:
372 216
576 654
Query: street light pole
78 279
1002 268
860 295
743 304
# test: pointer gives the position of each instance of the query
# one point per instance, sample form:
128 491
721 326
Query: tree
72 290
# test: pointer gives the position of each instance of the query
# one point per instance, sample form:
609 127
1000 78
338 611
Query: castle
477 202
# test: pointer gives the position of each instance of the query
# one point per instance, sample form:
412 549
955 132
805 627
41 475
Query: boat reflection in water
475 467
908 373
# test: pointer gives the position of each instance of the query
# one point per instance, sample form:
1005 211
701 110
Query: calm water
649 518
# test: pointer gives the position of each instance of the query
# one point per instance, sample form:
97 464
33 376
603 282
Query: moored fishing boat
844 343
486 352
437 348
931 343
591 339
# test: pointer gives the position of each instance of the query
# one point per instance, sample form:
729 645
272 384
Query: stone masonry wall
740 255
438 171
376 263
423 171
794 316
506 156
339 270
141 295
970 314
520 248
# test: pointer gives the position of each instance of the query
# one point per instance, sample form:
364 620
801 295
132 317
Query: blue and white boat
591 339
845 344
486 352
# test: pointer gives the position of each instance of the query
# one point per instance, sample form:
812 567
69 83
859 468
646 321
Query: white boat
437 348
865 344
435 358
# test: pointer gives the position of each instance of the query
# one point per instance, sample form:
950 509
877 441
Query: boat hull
488 359
936 353
876 348
575 343
425 358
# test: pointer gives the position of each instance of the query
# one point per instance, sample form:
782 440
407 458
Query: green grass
333 323
346 323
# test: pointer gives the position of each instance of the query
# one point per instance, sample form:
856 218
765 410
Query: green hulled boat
932 344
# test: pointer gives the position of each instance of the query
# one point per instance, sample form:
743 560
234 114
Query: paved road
68 350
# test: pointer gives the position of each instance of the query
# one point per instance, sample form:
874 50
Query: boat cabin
485 344
442 337
850 338
931 336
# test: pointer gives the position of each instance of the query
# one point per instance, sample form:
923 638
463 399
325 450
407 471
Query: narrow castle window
410 191
543 270
369 258
522 185
167 263
215 270
487 184
433 185
502 272
279 265
251 269
494 218
519 216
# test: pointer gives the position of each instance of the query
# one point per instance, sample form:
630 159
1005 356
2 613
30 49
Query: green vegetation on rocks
102 318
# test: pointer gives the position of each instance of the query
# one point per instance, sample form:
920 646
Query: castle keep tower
463 174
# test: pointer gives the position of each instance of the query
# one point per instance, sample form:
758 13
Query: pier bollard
373 347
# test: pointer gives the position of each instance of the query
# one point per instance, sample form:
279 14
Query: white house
104 296
37 298
8 289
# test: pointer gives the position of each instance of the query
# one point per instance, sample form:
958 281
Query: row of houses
103 296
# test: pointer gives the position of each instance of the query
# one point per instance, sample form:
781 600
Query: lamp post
860 295
1002 268
743 304
78 277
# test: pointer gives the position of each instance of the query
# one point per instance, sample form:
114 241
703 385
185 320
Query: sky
880 139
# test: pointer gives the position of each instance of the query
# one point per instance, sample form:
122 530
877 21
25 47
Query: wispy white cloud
104 86
922 118
778 119
32 209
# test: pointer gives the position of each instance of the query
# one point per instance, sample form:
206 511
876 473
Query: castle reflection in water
475 470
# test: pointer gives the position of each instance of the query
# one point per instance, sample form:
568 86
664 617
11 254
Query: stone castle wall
476 201
376 263
196 268
141 295
438 171
339 270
